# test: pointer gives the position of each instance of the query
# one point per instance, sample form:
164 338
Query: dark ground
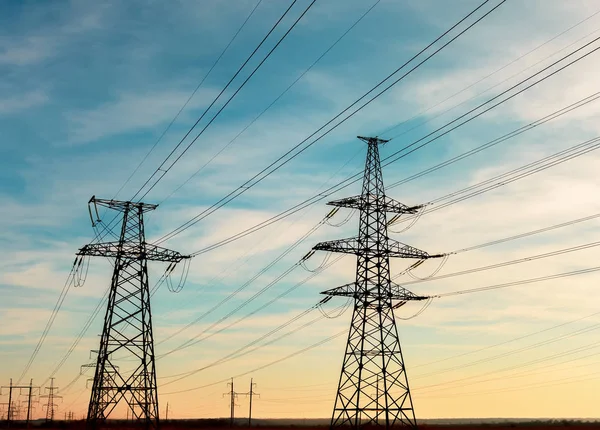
322 424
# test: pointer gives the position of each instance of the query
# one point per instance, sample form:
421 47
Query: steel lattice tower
373 387
128 319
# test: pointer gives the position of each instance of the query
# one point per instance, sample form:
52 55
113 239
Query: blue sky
88 87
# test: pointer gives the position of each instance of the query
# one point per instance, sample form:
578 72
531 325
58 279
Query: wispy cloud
16 104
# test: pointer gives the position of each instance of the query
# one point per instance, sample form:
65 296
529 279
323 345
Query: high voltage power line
498 241
353 179
488 12
522 282
328 339
478 269
522 235
191 96
464 89
323 341
485 103
508 263
304 387
451 108
303 145
515 351
512 175
165 171
532 125
289 87
107 228
509 368
160 169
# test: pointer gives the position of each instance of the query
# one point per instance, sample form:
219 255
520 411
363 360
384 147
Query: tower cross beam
362 246
131 251
383 203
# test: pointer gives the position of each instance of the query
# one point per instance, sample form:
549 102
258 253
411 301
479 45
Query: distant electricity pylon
232 396
128 320
251 394
51 406
373 387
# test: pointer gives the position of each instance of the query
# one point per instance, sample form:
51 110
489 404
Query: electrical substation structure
128 320
11 405
373 386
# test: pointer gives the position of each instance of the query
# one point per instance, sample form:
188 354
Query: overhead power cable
507 263
301 351
197 338
191 96
244 350
181 154
236 264
61 298
546 384
534 124
529 233
287 323
443 295
160 172
581 331
526 373
308 69
264 366
485 348
505 354
389 129
357 177
521 282
447 384
512 175
403 152
303 145
568 335
78 338
262 271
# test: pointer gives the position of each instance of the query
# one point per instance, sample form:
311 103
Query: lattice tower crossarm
128 320
373 387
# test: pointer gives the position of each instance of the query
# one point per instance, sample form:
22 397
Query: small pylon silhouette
373 386
51 406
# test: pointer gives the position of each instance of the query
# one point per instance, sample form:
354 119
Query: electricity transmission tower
128 319
251 393
373 356
51 406
232 396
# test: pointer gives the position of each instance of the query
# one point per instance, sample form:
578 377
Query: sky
88 89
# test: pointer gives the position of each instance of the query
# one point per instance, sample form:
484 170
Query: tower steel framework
373 387
128 320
